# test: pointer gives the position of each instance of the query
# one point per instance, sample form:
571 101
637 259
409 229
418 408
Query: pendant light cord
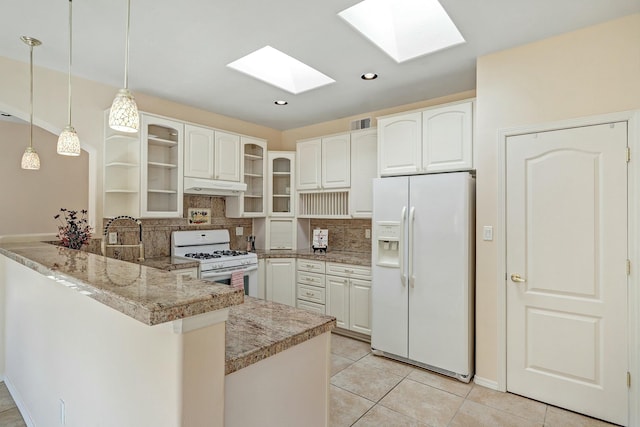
70 44
31 96
126 48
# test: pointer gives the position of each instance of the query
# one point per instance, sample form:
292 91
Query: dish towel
237 280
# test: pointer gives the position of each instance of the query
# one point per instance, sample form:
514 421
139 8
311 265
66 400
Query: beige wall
289 137
30 199
592 71
90 100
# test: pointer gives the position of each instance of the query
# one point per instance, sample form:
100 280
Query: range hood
212 187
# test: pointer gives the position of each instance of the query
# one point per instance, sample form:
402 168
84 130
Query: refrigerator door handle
412 215
403 276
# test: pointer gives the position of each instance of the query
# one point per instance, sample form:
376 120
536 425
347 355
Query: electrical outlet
367 233
239 231
113 237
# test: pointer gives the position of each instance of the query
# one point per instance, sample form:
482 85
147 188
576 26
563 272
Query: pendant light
68 141
123 116
30 159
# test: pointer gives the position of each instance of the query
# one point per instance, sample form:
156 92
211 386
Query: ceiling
179 49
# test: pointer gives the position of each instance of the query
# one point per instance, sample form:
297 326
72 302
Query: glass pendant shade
124 116
30 159
68 142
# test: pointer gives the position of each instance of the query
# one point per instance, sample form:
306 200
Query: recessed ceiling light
404 29
280 70
369 76
280 102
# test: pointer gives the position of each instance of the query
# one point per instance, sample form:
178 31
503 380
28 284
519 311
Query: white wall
30 199
587 72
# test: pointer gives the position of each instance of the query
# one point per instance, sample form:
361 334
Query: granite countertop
146 294
344 257
169 263
259 329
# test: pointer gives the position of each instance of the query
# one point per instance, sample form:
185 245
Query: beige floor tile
349 348
366 382
338 363
6 401
511 403
557 417
380 416
387 366
345 408
473 414
422 402
11 418
440 381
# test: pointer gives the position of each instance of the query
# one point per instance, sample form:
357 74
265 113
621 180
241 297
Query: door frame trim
633 229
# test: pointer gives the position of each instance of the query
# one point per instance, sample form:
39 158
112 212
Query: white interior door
567 240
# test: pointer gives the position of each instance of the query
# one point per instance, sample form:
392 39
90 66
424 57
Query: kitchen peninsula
90 339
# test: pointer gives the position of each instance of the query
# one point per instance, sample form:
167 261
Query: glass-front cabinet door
254 172
281 182
161 182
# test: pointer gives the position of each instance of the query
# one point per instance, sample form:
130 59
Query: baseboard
351 334
19 402
493 385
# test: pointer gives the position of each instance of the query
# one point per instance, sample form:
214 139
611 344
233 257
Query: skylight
280 70
404 29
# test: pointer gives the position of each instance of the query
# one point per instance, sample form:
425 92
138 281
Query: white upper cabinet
227 156
280 182
363 170
309 158
161 183
198 152
447 138
438 139
324 163
400 144
253 168
211 154
336 161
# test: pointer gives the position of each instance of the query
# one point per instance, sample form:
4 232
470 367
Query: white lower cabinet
280 280
262 279
310 287
349 296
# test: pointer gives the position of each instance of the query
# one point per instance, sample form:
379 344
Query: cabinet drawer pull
309 294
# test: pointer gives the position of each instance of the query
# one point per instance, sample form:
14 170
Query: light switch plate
113 237
367 233
239 231
487 233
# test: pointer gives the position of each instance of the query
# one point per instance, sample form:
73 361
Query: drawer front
311 306
348 270
312 279
311 293
310 265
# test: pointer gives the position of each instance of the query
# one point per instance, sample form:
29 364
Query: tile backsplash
156 233
345 234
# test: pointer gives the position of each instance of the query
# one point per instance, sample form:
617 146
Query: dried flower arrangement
74 230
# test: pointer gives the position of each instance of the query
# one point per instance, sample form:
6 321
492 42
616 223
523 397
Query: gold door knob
515 277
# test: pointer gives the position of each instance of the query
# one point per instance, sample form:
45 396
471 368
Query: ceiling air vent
361 123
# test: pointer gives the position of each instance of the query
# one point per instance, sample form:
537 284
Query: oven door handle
212 274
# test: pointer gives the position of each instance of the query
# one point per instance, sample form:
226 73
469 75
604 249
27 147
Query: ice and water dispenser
388 235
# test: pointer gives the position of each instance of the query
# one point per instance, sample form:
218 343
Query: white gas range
217 261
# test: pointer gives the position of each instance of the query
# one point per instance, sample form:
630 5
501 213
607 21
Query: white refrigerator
422 292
